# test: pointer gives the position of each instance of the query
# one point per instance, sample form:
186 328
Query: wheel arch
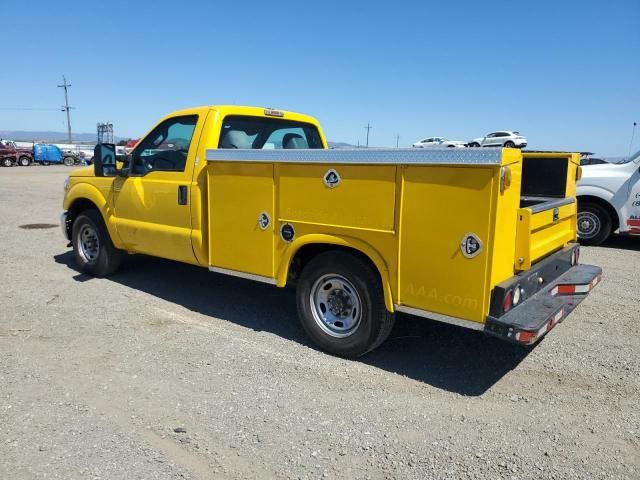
303 249
613 213
83 196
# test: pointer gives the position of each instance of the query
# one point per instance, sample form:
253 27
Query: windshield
632 158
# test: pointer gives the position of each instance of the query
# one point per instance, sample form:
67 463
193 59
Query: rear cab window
246 132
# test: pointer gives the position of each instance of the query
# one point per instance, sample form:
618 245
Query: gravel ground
168 371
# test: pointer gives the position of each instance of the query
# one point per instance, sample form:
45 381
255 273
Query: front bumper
64 217
562 288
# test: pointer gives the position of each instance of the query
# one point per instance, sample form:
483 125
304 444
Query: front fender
98 196
324 239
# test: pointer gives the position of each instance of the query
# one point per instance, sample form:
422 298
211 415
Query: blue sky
566 74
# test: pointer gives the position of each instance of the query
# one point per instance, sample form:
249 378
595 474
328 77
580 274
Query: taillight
507 303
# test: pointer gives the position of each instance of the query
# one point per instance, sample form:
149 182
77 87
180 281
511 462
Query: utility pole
66 107
367 128
397 140
633 132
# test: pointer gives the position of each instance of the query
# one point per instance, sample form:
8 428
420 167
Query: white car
502 138
609 200
438 142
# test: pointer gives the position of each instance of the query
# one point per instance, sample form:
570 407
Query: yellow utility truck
481 238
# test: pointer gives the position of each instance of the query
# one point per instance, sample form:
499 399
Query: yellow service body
409 218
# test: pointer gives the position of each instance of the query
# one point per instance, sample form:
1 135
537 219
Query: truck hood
82 172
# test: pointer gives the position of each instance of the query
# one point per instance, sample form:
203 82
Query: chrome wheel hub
588 225
336 305
88 243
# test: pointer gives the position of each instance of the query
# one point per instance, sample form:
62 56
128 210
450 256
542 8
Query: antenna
367 128
633 132
66 107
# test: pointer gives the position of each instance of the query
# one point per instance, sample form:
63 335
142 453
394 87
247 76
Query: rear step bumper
532 319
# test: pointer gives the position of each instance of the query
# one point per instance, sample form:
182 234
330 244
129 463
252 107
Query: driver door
152 204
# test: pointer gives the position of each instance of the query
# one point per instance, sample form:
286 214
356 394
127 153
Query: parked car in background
10 154
609 200
587 160
502 138
438 142
46 154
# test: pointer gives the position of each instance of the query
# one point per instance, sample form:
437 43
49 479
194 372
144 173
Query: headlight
66 184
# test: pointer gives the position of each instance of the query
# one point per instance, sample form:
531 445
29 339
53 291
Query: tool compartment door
238 194
441 206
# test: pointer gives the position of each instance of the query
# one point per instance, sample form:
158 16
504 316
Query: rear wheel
7 162
69 161
594 224
24 161
509 144
341 304
92 246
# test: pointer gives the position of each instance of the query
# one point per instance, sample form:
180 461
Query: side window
166 147
491 135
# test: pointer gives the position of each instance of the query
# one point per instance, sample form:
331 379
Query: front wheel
24 161
92 246
7 162
341 304
594 224
474 144
69 161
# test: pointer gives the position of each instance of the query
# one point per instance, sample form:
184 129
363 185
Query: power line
21 109
66 107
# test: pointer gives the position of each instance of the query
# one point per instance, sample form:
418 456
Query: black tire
375 322
7 162
509 144
105 258
474 144
24 161
69 161
45 164
594 223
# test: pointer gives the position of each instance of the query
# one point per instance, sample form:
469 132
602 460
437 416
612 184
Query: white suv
438 142
503 138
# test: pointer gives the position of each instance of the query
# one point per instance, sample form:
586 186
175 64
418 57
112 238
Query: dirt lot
169 371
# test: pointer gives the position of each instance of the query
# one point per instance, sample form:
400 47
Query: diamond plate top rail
372 156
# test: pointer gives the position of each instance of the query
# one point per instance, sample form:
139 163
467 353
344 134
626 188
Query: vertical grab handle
182 194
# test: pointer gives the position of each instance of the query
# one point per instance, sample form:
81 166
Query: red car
10 154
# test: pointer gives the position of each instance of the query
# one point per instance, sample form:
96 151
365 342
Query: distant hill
46 136
340 145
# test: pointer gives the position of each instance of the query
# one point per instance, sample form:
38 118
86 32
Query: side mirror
104 160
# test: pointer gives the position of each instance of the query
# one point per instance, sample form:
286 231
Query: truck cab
609 200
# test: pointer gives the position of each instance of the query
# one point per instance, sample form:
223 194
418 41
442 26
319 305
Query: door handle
182 194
